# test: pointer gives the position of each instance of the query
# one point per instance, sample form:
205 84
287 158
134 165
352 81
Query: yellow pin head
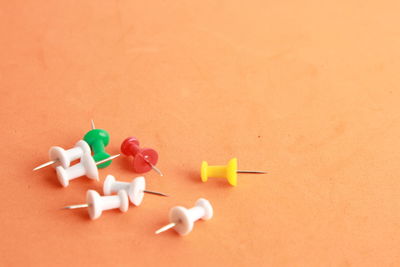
231 172
204 174
228 171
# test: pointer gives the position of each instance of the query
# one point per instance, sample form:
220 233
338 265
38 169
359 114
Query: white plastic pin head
182 219
60 157
87 167
135 189
97 203
109 184
64 157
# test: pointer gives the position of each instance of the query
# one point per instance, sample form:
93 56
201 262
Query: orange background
306 90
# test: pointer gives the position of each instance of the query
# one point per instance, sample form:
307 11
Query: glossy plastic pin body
96 204
86 167
182 220
135 189
98 139
61 157
144 159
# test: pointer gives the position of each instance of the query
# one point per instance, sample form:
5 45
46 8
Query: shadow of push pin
182 219
86 167
61 157
228 171
98 139
135 189
96 203
144 159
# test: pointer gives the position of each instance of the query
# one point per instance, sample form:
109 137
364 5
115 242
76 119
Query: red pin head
144 159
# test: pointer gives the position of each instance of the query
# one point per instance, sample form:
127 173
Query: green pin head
98 139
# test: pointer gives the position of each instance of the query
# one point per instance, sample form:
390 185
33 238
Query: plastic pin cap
228 171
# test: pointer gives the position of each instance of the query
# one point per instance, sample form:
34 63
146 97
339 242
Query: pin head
97 140
208 209
108 184
136 190
61 157
123 196
62 176
87 163
58 154
228 171
204 171
93 200
142 160
95 135
179 215
184 221
84 146
96 205
231 172
90 166
126 146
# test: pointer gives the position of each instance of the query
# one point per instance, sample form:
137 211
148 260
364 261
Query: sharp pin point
257 172
45 165
165 228
107 159
157 170
155 193
92 123
79 206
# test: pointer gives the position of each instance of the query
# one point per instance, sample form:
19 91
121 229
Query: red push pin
144 159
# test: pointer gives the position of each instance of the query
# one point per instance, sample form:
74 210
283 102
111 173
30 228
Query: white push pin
182 219
96 203
87 167
135 189
61 157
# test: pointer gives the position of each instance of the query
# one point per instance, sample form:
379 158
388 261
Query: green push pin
98 139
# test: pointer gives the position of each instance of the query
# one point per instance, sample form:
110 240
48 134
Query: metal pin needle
155 193
258 172
165 228
157 170
108 159
79 206
45 164
92 123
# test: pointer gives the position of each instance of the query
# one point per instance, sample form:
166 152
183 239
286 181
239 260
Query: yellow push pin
229 171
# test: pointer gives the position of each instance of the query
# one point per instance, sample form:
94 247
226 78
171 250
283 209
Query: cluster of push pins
117 195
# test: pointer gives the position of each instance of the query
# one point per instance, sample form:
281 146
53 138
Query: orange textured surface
306 90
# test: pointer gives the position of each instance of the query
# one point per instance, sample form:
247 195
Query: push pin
144 159
135 189
96 203
229 171
59 156
86 167
98 139
182 219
